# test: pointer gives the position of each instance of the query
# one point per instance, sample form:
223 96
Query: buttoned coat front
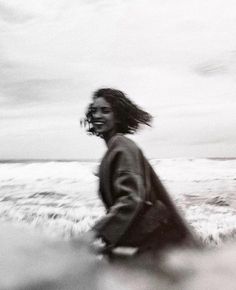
126 180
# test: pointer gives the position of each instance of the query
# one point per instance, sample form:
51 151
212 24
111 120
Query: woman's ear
117 124
117 121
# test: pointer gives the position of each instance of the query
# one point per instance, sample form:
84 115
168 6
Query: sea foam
60 198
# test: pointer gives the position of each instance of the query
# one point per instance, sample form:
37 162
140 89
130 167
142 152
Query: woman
139 211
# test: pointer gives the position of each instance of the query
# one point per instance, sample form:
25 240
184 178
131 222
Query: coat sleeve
128 192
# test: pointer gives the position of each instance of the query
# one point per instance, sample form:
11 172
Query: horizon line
41 160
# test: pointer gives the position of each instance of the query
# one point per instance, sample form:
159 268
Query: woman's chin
100 131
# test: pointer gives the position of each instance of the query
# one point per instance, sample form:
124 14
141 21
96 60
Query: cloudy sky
177 59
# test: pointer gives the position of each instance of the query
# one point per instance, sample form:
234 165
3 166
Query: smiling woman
126 116
140 213
103 118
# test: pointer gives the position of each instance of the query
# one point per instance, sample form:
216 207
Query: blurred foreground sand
31 261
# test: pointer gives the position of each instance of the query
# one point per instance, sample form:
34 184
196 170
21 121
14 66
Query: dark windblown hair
128 115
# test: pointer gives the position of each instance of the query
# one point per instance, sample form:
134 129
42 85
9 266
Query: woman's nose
97 114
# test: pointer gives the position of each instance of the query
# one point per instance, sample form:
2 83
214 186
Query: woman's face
103 117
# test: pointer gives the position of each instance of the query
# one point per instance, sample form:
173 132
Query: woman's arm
128 194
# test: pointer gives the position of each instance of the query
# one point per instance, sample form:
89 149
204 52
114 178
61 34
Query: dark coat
126 180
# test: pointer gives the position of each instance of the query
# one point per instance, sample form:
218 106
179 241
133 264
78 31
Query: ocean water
60 198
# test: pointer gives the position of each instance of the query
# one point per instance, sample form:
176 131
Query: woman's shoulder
120 140
121 143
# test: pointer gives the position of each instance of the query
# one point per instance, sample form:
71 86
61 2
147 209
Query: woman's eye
106 111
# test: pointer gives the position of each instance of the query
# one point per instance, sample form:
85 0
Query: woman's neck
106 137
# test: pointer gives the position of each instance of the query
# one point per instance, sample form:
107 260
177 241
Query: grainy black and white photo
117 144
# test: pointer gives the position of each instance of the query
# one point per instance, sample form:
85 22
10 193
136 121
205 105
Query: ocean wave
61 198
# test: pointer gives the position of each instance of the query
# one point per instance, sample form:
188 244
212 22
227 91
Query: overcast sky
176 59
